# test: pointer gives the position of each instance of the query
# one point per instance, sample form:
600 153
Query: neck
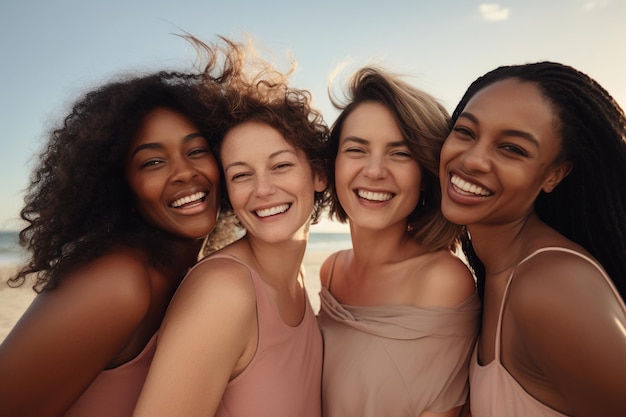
279 263
392 244
502 246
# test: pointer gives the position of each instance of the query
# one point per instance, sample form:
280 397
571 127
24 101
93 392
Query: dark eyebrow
507 132
362 141
156 145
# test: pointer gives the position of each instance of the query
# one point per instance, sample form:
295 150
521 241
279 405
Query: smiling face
377 180
500 155
173 175
270 184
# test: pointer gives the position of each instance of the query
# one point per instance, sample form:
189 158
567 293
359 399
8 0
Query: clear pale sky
53 50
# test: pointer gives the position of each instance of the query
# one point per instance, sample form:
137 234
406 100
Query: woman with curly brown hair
125 191
240 337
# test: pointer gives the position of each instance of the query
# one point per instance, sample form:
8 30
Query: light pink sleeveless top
493 391
115 391
284 377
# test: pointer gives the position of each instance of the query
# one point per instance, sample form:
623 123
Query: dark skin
563 337
124 299
103 313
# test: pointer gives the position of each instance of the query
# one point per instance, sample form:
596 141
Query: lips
272 211
374 195
190 199
467 188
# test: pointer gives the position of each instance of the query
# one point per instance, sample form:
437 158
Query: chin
453 216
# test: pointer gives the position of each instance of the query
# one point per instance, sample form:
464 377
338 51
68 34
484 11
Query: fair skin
378 184
270 186
565 346
103 313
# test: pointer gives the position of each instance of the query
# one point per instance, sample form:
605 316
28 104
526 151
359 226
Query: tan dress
494 392
395 360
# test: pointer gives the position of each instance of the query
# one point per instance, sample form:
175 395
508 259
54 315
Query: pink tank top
493 391
115 391
284 377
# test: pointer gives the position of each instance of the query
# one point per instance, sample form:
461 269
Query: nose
476 157
375 167
182 170
264 185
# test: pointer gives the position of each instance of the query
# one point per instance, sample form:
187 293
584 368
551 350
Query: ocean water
328 241
11 252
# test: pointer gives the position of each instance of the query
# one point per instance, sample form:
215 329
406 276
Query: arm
70 334
208 336
574 331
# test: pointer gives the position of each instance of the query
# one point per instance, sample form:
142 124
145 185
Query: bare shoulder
559 290
70 332
117 282
217 296
556 280
570 326
447 280
220 281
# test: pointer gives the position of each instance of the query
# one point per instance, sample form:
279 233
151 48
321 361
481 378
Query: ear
558 173
320 182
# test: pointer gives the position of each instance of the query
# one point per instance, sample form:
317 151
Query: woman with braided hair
534 166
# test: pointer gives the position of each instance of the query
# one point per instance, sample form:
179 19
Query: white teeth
370 195
469 187
189 199
272 210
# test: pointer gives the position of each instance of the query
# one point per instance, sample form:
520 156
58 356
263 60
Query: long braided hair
589 205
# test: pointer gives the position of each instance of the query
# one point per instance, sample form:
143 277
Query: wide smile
376 196
466 188
189 200
272 211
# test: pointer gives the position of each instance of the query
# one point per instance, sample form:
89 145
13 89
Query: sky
55 50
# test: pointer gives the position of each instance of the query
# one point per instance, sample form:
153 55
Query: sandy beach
14 301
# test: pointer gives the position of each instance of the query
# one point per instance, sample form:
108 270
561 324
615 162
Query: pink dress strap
493 390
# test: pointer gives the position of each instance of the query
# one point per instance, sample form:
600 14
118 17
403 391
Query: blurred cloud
594 4
493 12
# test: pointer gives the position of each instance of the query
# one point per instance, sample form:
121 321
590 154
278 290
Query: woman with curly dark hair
125 191
240 337
534 166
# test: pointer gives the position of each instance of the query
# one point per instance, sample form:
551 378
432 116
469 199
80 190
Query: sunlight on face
270 184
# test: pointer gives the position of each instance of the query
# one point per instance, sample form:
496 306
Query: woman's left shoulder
560 272
448 280
564 286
